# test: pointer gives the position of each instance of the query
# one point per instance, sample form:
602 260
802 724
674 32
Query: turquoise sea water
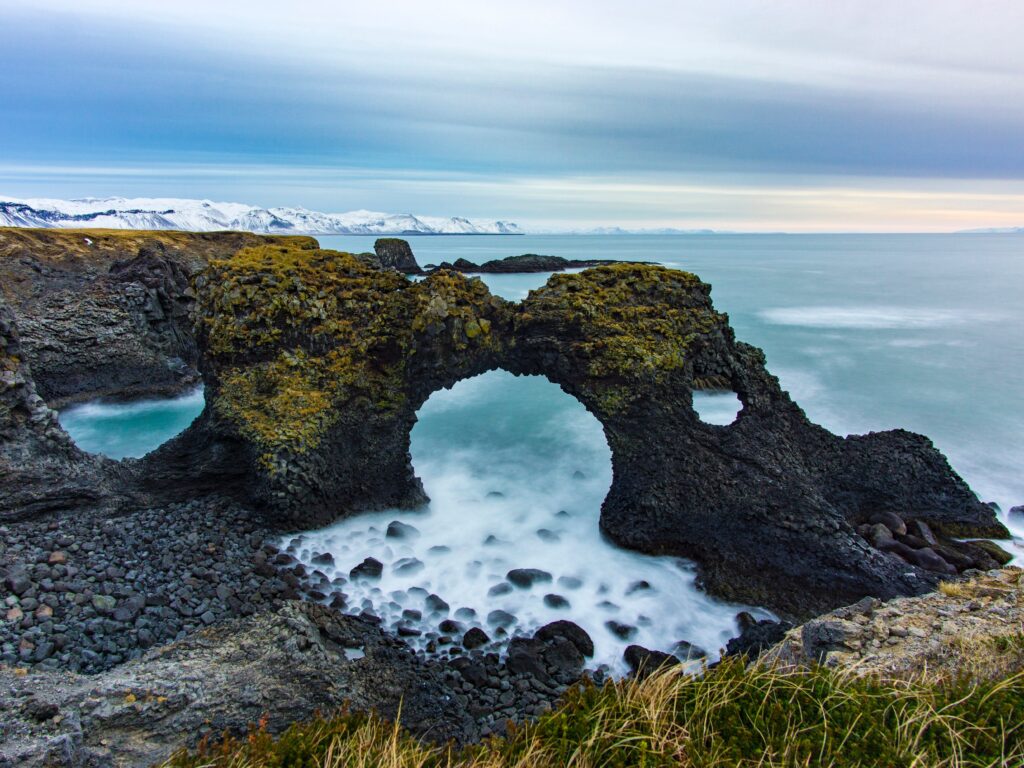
121 430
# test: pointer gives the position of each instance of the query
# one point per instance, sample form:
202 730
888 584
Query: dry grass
730 716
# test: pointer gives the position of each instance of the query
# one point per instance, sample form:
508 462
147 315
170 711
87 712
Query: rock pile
914 542
88 592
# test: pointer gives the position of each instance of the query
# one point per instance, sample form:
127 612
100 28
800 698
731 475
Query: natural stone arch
315 365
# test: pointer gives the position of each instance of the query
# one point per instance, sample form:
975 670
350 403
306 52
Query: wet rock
502 588
370 568
450 627
638 586
997 553
930 560
1017 512
527 577
322 558
408 565
569 631
402 531
687 651
923 531
643 662
475 638
435 603
890 520
556 601
549 536
620 630
755 636
500 618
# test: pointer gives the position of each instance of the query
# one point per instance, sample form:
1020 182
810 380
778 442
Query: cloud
671 91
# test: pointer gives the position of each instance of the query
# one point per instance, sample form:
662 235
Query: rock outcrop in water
527 262
316 363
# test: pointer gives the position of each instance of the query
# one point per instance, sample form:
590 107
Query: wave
874 318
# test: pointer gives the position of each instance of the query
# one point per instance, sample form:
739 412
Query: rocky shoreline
146 602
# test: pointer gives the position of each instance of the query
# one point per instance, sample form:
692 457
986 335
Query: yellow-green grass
731 716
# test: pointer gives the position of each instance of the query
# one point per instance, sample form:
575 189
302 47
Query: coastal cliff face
106 313
316 363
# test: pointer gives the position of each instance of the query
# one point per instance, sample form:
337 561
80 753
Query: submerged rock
370 568
527 577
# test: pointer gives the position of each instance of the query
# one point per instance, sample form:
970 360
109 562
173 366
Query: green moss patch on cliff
629 322
38 261
294 334
447 302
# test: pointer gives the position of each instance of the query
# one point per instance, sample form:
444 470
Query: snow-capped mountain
206 216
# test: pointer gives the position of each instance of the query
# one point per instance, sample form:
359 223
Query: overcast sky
798 116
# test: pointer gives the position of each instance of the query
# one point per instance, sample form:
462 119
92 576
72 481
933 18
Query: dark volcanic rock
768 507
528 262
41 469
569 631
643 662
527 577
282 665
475 638
395 253
370 568
756 636
106 314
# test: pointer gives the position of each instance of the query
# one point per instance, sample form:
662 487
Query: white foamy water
516 471
873 318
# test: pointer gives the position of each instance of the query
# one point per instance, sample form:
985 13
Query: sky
790 115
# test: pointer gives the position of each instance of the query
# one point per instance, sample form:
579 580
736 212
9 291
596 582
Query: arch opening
718 407
516 470
121 430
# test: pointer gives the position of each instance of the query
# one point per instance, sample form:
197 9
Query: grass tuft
731 716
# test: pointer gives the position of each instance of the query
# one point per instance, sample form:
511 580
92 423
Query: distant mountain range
206 216
993 231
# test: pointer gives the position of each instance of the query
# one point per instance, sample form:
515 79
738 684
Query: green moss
629 322
294 334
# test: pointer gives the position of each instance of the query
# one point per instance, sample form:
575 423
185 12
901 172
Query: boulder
644 662
527 577
569 631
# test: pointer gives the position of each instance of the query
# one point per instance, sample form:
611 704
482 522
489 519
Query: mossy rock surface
317 361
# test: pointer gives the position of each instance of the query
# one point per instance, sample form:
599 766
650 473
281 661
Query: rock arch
315 364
